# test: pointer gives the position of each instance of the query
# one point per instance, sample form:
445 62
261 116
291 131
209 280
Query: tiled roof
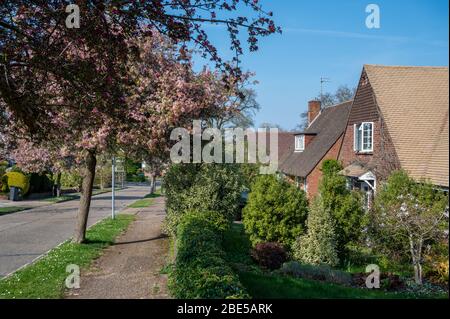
414 103
285 140
328 126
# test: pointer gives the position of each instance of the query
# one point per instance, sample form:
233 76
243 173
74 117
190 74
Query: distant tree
303 122
239 106
327 99
246 110
344 93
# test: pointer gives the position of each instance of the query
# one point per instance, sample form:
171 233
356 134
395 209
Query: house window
363 137
301 182
299 143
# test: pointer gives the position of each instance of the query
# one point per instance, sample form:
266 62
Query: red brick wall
313 179
347 155
382 161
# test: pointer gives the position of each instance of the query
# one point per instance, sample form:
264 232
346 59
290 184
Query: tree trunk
58 184
416 255
152 183
85 200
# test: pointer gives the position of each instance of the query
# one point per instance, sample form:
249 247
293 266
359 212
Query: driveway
26 235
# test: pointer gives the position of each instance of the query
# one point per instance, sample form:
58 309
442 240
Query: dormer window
299 143
363 137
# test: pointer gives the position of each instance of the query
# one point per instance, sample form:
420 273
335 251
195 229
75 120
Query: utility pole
113 185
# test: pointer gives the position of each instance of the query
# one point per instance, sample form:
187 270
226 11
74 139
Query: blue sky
329 38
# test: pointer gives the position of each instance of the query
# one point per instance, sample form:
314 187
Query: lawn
45 278
144 202
11 209
263 284
62 198
72 196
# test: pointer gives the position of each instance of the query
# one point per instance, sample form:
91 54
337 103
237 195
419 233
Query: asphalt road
26 235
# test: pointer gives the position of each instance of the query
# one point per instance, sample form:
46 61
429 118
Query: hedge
19 180
201 187
201 271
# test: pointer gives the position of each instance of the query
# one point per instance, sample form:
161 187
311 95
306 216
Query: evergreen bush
275 212
318 246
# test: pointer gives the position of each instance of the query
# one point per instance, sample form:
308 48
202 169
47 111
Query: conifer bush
275 212
318 246
345 206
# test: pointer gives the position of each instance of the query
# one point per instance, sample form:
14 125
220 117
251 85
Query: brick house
399 119
320 141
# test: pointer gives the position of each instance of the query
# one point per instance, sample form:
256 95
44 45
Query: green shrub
103 173
345 206
318 246
71 179
316 272
19 180
408 216
3 179
201 187
436 262
4 184
200 268
275 212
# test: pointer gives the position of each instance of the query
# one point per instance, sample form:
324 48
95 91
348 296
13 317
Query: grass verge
262 284
11 209
145 202
62 198
67 197
45 278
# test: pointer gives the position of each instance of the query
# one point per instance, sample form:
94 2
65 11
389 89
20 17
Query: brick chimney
313 110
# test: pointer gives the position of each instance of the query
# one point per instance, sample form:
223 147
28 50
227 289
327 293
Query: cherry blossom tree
78 91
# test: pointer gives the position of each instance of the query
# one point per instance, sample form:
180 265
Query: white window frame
299 148
359 144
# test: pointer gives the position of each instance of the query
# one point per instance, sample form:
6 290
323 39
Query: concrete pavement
26 235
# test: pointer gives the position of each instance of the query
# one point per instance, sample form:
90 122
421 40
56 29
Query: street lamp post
113 179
